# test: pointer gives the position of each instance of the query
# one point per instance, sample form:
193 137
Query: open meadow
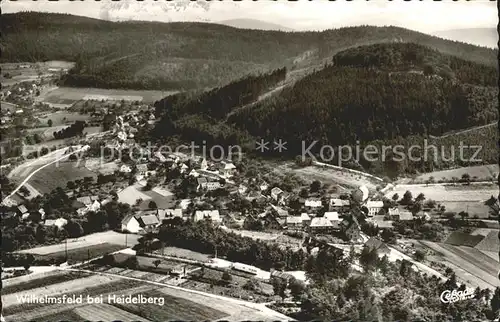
480 172
70 95
91 242
58 175
455 198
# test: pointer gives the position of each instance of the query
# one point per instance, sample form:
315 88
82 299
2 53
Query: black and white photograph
179 160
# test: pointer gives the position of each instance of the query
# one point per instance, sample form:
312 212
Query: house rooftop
321 222
148 220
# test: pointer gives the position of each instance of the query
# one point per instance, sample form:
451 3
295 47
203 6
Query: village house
293 222
339 205
59 223
227 170
21 210
142 169
276 193
207 214
184 168
125 169
280 211
403 215
85 200
204 164
242 189
374 207
160 157
306 218
322 225
131 224
194 173
263 186
169 214
376 244
204 184
184 203
332 216
313 203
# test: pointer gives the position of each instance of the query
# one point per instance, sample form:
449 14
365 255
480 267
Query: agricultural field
481 172
36 281
456 198
174 309
62 118
70 95
47 132
182 253
92 241
58 175
77 255
470 265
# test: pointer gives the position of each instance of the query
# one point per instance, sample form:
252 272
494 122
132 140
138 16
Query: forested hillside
385 93
361 97
153 55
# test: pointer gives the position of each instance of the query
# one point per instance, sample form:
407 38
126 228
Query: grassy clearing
84 253
62 118
68 95
174 309
480 172
182 253
44 281
58 175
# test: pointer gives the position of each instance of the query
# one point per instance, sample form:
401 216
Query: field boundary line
256 306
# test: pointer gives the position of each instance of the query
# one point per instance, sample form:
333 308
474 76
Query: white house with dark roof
374 207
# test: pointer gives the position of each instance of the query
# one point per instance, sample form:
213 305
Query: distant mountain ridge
189 55
487 37
254 24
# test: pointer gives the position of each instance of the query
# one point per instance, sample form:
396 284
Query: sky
425 16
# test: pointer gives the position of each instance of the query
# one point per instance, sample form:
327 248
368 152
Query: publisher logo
455 296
